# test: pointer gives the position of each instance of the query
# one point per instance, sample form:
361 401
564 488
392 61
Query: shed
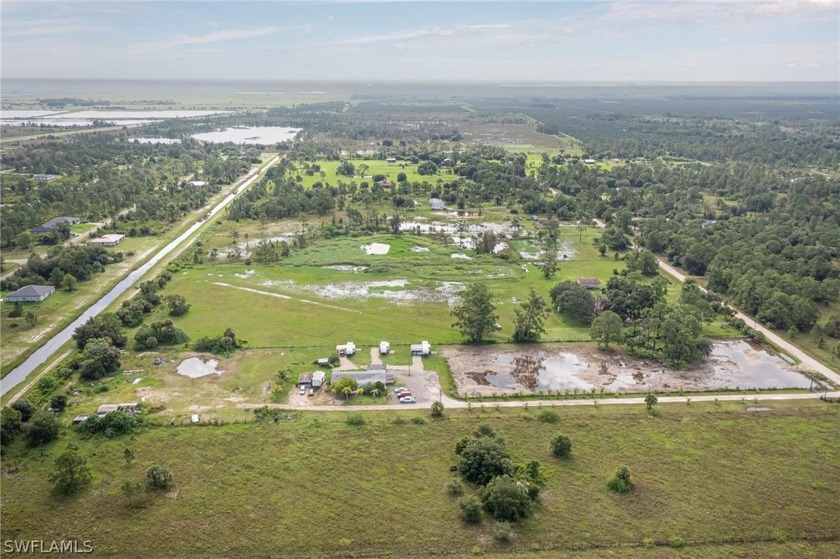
437 204
391 160
304 378
323 362
79 418
384 348
589 283
318 378
423 349
194 418
30 293
589 161
347 349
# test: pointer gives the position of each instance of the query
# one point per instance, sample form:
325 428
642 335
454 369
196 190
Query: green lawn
710 475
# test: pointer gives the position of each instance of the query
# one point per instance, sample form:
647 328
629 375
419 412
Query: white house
384 348
30 293
109 240
318 378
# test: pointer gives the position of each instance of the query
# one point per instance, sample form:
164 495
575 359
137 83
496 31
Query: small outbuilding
347 349
198 184
437 204
423 349
128 409
589 283
304 379
384 348
318 378
109 240
30 293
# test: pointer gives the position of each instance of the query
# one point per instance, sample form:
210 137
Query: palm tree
347 391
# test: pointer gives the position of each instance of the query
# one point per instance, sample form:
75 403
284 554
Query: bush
43 428
26 409
355 419
455 487
507 498
470 509
158 477
437 409
483 458
620 481
676 542
548 416
111 425
417 420
503 532
561 445
334 360
58 402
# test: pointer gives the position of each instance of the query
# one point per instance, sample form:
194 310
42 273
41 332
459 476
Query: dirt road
806 361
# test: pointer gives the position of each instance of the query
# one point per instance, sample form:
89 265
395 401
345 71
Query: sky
654 41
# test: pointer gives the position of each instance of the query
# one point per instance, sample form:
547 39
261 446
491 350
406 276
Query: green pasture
375 167
709 475
287 303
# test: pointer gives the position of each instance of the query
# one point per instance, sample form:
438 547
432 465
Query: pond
582 368
195 367
250 135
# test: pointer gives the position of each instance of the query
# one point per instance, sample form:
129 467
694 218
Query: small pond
195 367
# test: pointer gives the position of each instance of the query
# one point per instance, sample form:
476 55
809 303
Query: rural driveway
805 361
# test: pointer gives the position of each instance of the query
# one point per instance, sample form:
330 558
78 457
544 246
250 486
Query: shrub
507 498
620 481
334 360
483 458
455 487
158 477
676 542
355 419
58 402
43 428
437 409
548 416
26 409
417 420
111 425
561 445
503 532
470 509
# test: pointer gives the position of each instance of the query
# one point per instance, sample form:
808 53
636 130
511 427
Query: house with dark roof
30 293
48 226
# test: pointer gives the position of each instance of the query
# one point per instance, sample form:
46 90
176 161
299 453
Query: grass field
709 475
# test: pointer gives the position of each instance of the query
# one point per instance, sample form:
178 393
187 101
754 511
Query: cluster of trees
62 267
222 345
508 491
476 316
162 332
23 418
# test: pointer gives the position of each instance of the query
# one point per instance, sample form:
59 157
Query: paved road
43 353
806 361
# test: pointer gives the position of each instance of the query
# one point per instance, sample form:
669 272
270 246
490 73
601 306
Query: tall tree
606 328
475 314
528 324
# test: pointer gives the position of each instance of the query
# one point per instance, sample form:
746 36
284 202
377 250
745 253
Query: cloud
701 13
42 27
214 37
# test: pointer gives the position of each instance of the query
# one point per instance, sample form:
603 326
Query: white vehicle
302 390
400 389
408 400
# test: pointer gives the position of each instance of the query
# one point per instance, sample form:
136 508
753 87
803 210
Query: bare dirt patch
575 368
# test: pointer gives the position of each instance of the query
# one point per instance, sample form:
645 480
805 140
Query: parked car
403 394
408 400
400 389
302 390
